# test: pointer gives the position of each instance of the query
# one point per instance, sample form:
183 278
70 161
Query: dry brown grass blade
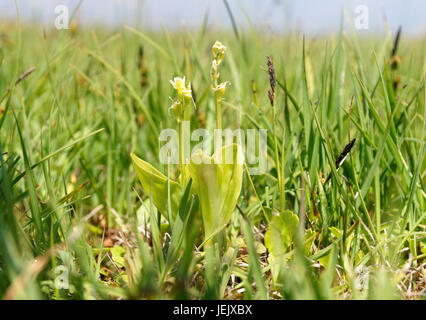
32 270
20 78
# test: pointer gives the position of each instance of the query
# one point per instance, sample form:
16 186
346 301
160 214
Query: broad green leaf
218 186
278 239
155 183
281 231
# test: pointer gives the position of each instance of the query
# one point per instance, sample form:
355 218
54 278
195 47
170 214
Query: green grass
70 196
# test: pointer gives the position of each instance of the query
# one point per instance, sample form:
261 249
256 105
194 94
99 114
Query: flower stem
277 162
218 113
181 153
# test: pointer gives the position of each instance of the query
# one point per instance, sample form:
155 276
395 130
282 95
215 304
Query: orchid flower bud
187 93
220 89
179 84
218 51
176 108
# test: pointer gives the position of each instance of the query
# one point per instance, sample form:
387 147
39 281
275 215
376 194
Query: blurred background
311 17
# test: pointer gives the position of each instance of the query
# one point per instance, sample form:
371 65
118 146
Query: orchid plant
217 185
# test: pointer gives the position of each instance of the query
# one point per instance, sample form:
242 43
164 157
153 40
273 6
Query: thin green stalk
181 153
218 112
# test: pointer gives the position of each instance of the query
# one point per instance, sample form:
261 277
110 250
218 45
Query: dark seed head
396 42
142 69
271 71
395 59
344 153
271 97
342 156
396 82
272 81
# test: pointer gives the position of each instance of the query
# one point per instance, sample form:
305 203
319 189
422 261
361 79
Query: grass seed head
272 80
395 60
344 153
396 42
142 69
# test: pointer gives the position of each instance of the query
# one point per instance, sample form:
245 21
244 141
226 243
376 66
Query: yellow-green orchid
218 186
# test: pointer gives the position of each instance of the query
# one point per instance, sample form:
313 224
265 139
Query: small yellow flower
218 51
221 88
179 84
176 108
187 93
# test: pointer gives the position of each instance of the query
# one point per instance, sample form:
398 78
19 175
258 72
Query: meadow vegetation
323 222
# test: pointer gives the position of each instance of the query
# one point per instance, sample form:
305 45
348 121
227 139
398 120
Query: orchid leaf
155 183
281 232
218 185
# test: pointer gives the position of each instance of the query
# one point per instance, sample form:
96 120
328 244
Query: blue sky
309 16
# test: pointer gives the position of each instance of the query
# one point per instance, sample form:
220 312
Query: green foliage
279 238
217 185
157 185
70 195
